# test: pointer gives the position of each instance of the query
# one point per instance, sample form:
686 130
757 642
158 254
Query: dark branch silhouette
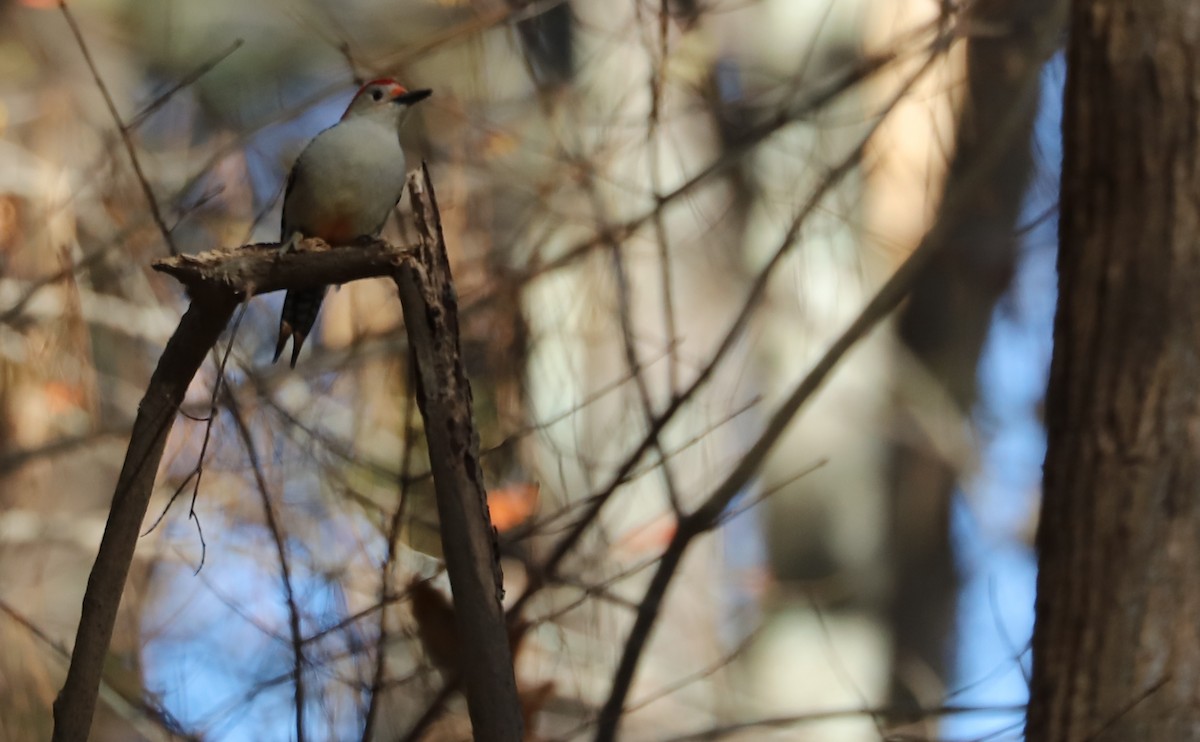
217 283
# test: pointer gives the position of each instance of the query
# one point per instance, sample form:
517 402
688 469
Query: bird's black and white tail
299 314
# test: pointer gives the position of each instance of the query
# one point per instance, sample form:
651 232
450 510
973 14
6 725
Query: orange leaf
499 143
62 397
512 505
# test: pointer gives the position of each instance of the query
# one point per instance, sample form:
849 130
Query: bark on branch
217 282
197 333
468 539
260 269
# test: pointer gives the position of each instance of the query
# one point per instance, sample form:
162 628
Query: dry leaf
512 505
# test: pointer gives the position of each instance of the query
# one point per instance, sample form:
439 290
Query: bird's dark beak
412 96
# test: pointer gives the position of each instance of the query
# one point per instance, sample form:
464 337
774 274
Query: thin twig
285 572
708 514
824 95
880 712
137 709
208 426
387 571
198 331
432 711
121 129
654 142
11 314
633 365
198 470
732 335
174 495
13 459
188 79
216 294
1130 706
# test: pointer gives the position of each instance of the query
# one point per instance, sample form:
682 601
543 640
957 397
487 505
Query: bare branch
285 571
388 569
184 82
122 129
708 515
261 269
197 332
468 540
218 282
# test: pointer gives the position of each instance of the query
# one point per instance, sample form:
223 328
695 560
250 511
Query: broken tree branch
198 331
468 540
217 282
261 269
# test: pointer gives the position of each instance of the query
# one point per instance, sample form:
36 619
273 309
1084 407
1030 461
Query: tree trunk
1116 648
946 323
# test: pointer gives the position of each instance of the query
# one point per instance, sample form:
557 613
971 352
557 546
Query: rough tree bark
1116 647
468 540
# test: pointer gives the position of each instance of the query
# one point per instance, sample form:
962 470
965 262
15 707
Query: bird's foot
290 244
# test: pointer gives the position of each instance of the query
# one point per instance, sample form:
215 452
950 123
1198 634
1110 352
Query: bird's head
385 100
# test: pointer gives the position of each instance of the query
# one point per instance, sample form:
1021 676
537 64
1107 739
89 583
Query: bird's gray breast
345 182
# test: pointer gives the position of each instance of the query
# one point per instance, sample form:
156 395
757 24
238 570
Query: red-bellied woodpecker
342 188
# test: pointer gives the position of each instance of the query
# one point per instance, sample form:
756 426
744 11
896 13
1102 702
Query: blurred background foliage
619 181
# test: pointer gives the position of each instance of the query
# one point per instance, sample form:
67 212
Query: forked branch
217 282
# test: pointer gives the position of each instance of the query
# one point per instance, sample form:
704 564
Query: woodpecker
342 188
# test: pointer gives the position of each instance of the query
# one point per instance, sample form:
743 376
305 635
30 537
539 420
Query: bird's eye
377 94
